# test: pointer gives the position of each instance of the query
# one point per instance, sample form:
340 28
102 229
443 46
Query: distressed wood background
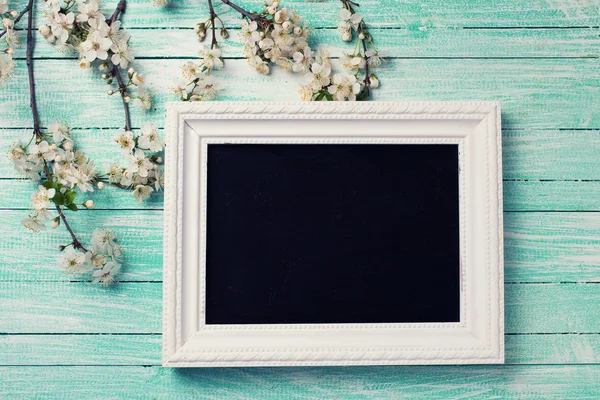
62 338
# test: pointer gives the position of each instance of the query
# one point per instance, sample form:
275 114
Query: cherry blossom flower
73 262
142 192
106 275
150 138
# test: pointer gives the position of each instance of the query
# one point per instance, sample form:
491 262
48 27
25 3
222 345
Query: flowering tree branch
18 17
277 36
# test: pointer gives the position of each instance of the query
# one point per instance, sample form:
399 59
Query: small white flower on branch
106 275
33 223
125 140
150 139
142 192
72 261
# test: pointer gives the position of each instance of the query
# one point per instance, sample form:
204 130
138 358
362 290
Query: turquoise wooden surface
64 338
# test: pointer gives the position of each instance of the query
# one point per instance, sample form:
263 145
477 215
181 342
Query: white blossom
142 192
143 99
344 87
7 67
41 201
96 46
72 262
33 223
139 163
211 58
41 152
105 242
125 140
106 275
61 25
59 131
150 139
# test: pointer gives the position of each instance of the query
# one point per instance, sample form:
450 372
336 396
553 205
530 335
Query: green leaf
320 96
58 198
72 206
70 196
47 184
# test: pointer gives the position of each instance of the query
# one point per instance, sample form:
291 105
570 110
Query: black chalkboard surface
311 233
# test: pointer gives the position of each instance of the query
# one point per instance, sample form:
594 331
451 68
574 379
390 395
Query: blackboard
342 233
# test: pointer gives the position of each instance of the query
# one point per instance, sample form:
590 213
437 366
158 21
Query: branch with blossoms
62 174
278 37
79 26
9 38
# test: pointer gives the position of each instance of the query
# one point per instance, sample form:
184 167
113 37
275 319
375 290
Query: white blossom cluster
9 40
79 25
62 173
143 172
196 82
103 261
52 160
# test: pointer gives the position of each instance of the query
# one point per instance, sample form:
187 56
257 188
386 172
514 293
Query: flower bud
61 248
201 35
104 76
126 99
101 185
55 223
8 23
84 63
67 144
298 31
9 50
44 30
110 92
200 27
89 204
361 36
224 33
374 81
346 35
130 72
261 34
14 13
159 160
109 81
286 25
103 66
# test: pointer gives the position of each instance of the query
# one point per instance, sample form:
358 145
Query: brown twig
21 14
120 9
115 70
30 47
123 90
247 14
34 112
213 15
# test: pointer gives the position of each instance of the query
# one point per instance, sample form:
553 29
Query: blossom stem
249 15
122 89
213 15
76 243
30 46
120 9
34 111
21 14
361 30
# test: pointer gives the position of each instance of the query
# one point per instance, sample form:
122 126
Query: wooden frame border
479 336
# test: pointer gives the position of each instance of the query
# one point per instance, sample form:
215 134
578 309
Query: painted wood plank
383 13
403 43
138 232
570 90
518 196
539 246
527 154
52 307
144 350
552 247
552 196
440 382
80 349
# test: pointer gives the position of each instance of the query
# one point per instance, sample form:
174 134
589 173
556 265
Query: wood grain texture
527 154
412 14
42 307
548 81
539 247
399 43
530 195
145 349
570 86
447 383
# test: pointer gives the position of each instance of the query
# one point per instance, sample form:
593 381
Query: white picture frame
479 336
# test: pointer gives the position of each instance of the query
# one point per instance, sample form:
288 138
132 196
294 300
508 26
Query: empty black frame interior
332 233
